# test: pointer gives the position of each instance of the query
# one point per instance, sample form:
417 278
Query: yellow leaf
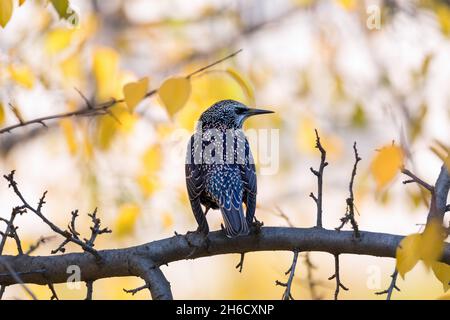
134 92
88 148
147 183
126 219
443 15
306 139
106 131
167 220
22 75
208 89
152 159
127 121
69 133
245 85
58 39
432 243
2 114
347 4
21 2
6 10
72 70
408 253
106 72
174 93
386 164
427 246
442 272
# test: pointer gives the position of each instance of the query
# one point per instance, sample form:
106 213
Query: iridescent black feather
212 179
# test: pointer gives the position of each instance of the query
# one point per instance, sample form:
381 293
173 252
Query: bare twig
66 234
90 110
439 193
213 64
391 287
312 283
53 291
89 289
287 295
319 174
136 290
35 246
416 179
336 276
96 229
240 265
10 227
350 201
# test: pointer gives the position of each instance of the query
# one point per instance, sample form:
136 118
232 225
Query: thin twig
35 246
66 234
99 109
54 294
416 179
287 295
240 265
11 230
312 283
90 289
134 291
336 276
350 201
391 287
319 174
213 64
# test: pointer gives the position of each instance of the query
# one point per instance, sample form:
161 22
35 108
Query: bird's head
228 114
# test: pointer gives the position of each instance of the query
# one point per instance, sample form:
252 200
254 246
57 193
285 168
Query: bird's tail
235 222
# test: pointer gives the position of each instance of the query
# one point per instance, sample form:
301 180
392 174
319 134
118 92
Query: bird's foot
197 244
256 226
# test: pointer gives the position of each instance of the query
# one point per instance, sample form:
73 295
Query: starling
220 171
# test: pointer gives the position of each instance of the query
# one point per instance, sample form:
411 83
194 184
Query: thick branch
117 262
441 190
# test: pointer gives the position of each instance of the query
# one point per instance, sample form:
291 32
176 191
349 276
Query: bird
220 170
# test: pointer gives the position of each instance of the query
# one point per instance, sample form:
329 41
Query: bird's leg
255 226
203 231
203 228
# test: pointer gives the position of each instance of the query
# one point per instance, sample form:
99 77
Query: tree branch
150 256
99 109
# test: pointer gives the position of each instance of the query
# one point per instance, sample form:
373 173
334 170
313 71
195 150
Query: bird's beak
254 112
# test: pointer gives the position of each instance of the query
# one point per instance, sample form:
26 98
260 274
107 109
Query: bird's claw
205 242
256 226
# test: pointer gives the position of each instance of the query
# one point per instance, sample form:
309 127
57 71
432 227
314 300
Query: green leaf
63 8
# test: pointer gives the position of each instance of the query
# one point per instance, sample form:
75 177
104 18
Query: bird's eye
240 110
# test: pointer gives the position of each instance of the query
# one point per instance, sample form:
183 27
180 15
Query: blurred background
374 72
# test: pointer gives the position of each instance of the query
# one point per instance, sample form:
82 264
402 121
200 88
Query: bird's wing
248 174
195 185
226 188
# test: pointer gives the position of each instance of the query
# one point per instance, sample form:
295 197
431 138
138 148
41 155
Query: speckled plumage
212 179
